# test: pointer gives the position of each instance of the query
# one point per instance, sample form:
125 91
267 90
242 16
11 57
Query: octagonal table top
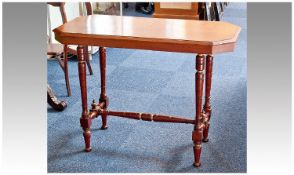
174 35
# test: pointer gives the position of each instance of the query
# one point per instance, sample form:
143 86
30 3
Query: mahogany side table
204 38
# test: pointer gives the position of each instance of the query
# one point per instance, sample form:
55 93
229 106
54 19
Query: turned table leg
207 104
197 134
85 120
103 97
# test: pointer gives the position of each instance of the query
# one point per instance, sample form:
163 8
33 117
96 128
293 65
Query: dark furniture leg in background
144 7
62 58
65 70
53 101
211 11
86 54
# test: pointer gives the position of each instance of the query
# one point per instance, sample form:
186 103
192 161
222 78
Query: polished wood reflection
200 37
174 35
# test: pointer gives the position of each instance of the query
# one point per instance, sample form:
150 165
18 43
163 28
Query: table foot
86 122
104 99
87 138
104 127
88 149
104 119
205 140
197 139
197 164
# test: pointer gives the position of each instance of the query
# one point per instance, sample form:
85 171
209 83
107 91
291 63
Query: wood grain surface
174 35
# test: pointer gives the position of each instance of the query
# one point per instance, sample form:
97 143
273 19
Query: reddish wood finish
96 109
191 36
99 109
83 79
127 32
103 97
85 119
198 131
148 117
207 104
87 139
102 59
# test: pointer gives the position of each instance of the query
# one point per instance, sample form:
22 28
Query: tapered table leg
197 134
103 97
85 120
207 104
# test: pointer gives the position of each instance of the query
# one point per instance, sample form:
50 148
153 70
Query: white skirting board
92 50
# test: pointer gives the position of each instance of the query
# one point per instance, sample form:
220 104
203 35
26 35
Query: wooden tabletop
175 35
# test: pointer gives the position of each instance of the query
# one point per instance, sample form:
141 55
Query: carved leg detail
86 125
103 97
87 138
85 119
197 138
207 104
104 122
198 130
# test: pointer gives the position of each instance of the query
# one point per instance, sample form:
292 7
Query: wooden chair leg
85 119
197 134
65 68
103 97
86 54
53 101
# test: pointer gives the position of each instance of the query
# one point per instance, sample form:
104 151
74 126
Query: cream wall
73 10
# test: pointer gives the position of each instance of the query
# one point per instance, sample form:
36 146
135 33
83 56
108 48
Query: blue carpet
157 82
